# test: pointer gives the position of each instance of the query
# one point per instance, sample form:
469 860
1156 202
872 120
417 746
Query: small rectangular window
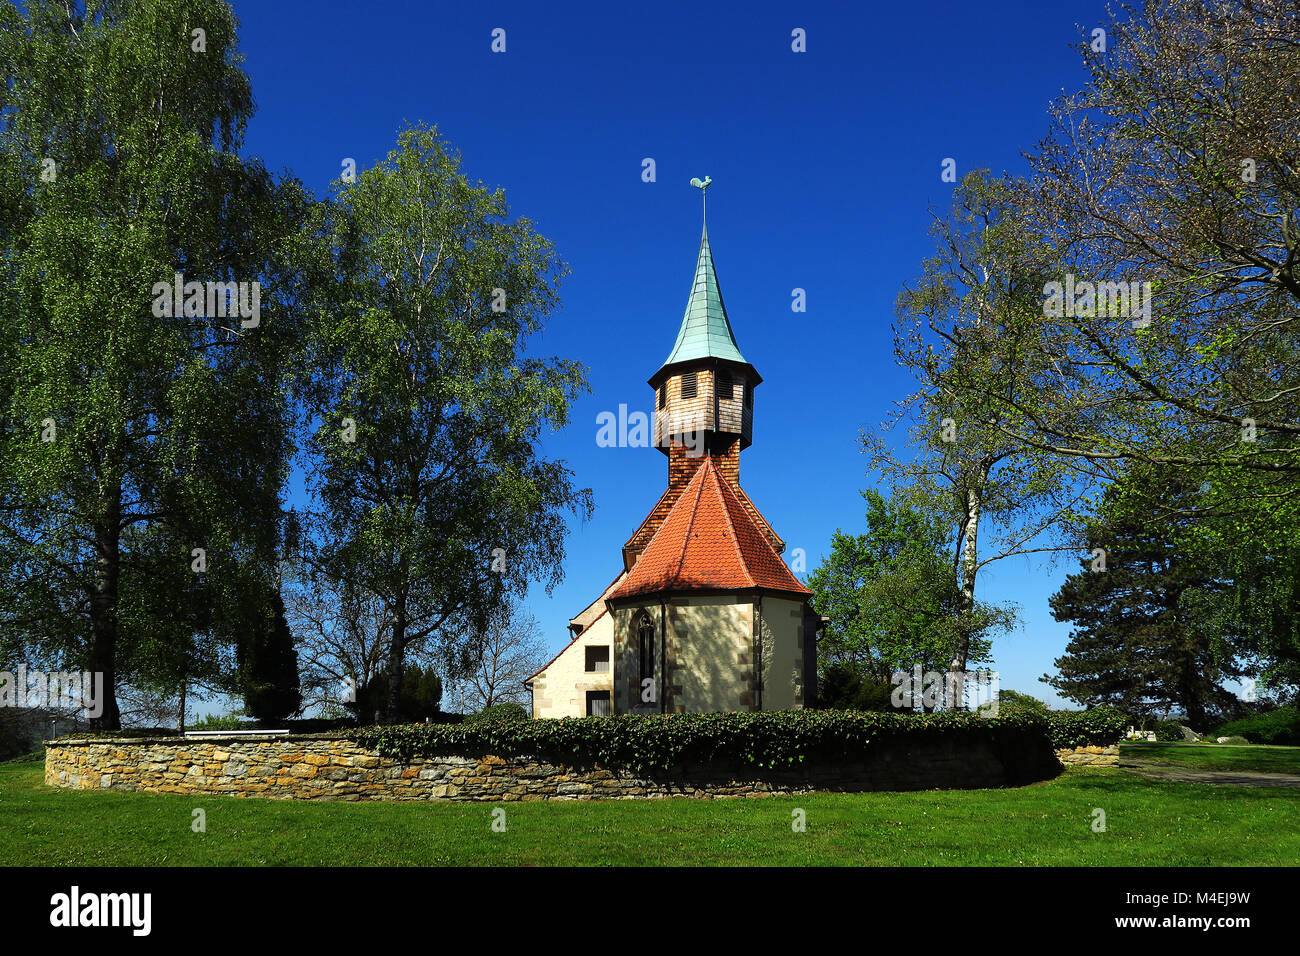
598 659
597 703
689 385
663 394
724 385
749 397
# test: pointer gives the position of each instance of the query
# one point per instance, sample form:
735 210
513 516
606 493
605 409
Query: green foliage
1143 638
1168 731
1280 726
268 667
891 595
959 329
1016 700
419 699
1078 728
645 744
844 685
232 721
128 439
505 711
431 407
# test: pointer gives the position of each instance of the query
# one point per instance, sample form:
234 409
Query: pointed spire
705 331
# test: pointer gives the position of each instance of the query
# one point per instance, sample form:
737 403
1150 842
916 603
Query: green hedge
1280 726
640 744
507 711
1100 726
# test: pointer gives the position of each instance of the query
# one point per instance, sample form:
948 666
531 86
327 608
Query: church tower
704 391
705 616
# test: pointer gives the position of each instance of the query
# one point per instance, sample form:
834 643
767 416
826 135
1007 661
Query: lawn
1147 823
1268 759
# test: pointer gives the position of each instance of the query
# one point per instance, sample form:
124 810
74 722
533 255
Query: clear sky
826 165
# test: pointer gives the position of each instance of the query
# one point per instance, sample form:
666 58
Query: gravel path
1236 778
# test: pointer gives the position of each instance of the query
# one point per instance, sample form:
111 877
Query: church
704 615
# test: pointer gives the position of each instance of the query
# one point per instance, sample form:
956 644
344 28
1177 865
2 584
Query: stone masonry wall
1089 756
330 768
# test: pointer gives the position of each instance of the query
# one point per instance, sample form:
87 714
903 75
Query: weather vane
703 186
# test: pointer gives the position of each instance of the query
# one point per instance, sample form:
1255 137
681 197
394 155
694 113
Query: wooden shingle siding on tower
706 411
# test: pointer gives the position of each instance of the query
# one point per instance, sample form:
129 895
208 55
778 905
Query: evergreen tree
268 667
1142 608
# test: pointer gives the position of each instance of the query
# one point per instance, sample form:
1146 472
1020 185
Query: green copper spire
706 331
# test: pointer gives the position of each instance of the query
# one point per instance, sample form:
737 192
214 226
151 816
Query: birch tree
430 489
966 319
142 452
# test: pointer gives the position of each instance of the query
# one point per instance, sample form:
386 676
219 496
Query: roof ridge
690 524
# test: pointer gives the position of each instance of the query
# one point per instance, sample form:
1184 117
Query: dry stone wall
1089 756
332 768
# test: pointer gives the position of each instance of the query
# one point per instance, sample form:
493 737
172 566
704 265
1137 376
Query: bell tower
704 391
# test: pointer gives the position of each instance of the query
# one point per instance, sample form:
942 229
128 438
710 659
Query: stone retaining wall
1089 756
331 768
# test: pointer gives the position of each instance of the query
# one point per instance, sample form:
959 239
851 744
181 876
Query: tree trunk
180 716
103 610
966 609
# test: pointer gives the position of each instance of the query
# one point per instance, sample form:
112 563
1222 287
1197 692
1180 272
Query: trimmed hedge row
642 744
1080 728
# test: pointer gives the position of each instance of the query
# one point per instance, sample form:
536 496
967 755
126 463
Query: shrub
1235 740
846 687
1014 699
16 740
1168 731
507 711
268 667
233 721
641 744
128 733
1280 726
419 697
1100 726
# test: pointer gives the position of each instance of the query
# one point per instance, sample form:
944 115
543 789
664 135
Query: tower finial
703 187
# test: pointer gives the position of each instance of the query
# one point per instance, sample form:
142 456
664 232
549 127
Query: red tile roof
708 541
655 519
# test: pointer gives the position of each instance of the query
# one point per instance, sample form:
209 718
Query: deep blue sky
826 165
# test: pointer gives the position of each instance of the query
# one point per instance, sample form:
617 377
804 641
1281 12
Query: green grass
1148 823
1218 756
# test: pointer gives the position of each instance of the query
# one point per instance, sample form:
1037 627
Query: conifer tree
1143 608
